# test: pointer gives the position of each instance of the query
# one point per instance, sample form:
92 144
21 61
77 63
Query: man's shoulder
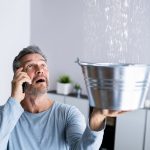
62 106
66 109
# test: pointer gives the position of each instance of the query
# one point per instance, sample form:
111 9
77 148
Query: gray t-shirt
61 127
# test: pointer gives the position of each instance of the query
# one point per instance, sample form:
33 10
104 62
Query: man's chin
38 90
42 90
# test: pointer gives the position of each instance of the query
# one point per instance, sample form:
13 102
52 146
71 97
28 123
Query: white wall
14 35
147 136
57 27
93 30
129 133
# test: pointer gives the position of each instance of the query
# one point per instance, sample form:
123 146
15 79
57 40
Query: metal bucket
116 86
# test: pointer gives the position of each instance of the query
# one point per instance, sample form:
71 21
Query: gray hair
32 49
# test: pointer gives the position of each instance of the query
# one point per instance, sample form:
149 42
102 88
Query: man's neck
36 104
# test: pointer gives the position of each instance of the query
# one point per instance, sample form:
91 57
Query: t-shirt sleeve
9 115
79 135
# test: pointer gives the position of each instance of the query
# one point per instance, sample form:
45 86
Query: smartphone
24 86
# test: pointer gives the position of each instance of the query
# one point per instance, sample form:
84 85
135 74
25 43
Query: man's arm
86 137
79 135
98 116
9 115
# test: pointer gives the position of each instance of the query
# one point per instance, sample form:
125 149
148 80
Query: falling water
116 31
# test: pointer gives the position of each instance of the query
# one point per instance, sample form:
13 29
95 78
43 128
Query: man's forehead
30 61
32 57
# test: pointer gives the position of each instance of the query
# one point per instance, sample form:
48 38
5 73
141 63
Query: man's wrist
96 120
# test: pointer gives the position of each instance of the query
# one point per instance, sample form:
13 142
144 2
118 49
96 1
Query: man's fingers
111 113
19 69
21 76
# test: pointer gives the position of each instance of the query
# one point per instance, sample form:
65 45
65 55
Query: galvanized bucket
116 86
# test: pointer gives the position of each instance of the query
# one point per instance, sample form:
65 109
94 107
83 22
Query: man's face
36 68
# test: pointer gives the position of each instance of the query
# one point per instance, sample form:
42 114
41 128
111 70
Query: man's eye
29 66
44 65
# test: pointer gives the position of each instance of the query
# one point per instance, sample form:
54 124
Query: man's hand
99 115
19 78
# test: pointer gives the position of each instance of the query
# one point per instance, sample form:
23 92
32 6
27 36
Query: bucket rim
111 65
114 64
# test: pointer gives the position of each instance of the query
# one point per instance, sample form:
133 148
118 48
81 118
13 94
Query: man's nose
39 69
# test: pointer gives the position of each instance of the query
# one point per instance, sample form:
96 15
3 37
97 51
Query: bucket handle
78 61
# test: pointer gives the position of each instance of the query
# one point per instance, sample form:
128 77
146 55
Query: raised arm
98 116
9 115
86 137
79 134
12 110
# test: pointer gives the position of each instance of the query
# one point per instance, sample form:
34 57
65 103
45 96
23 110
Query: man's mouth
40 80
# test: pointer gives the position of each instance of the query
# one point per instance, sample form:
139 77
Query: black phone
24 85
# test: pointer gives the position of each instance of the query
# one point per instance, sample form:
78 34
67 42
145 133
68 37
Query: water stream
116 31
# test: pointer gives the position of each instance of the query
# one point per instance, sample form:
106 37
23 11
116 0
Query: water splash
117 30
113 30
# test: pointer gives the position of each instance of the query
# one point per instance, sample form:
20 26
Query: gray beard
37 91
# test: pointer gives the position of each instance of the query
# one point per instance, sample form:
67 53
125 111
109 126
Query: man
30 120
